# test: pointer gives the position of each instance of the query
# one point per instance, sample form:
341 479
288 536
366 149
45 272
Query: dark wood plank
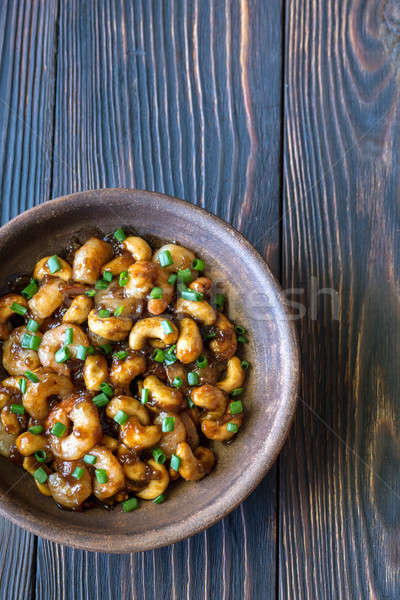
339 472
27 53
180 97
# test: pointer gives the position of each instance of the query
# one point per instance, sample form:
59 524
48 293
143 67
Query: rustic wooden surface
282 118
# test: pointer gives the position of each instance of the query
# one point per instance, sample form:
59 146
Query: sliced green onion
32 325
31 376
121 354
168 424
118 311
58 429
175 462
198 264
172 278
89 459
62 355
210 335
107 276
106 348
40 475
101 284
189 402
192 295
17 409
156 292
90 293
130 504
119 235
81 352
158 355
22 385
165 258
237 391
19 309
202 361
219 301
79 471
35 429
101 475
104 313
160 499
30 290
144 396
232 427
90 350
40 455
242 339
184 275
159 456
166 325
236 407
69 336
123 278
53 264
245 364
193 378
239 329
101 400
107 389
31 341
121 417
177 382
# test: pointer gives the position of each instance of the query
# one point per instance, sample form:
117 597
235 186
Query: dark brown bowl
255 301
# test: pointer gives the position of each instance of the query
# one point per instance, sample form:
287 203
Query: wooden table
283 119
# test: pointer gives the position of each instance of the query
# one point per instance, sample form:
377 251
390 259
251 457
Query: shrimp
17 360
37 393
107 462
66 489
54 339
6 312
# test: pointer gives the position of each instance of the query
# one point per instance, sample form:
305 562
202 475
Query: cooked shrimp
42 270
109 327
17 360
107 462
66 489
37 393
54 339
123 370
6 312
79 310
49 297
114 297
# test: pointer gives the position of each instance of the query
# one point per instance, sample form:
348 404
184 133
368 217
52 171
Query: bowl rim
79 538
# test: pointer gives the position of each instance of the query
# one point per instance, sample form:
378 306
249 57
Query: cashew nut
190 344
42 270
6 312
95 371
110 328
117 265
201 284
89 259
68 491
115 473
48 298
138 436
182 258
54 339
10 421
157 484
164 397
201 311
7 441
218 430
234 377
135 470
151 327
49 384
194 465
224 345
28 444
130 406
17 360
138 248
212 399
124 370
30 464
109 442
79 310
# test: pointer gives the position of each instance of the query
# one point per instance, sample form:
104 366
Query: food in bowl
122 366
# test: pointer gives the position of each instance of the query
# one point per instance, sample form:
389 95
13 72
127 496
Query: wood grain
182 98
27 53
340 488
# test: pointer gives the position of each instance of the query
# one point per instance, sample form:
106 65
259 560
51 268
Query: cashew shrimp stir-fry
122 366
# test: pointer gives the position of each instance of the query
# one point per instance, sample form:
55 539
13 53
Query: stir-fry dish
121 367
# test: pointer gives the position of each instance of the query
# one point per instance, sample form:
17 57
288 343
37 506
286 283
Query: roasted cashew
138 248
212 399
89 259
217 430
30 464
47 299
28 444
6 312
95 371
9 389
164 397
201 284
224 345
137 436
10 421
109 442
42 270
115 473
182 258
158 484
110 328
7 441
194 466
170 440
130 406
135 469
124 370
67 490
79 310
152 328
118 265
190 344
49 384
234 377
17 360
86 430
54 339
201 311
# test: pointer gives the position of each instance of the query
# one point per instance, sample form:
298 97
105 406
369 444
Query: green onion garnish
101 284
32 325
40 475
118 311
30 290
144 396
107 389
177 382
101 400
90 293
165 258
189 402
89 459
40 455
31 376
166 325
219 301
123 278
202 361
104 313
101 475
79 471
22 385
120 235
198 264
58 429
245 364
106 348
237 391
108 276
172 278
31 341
35 429
168 424
53 264
62 355
158 355
232 427
130 504
242 339
90 350
81 352
239 329
17 409
236 407
210 335
121 354
159 456
184 275
192 295
175 462
19 309
121 417
193 378
160 499
69 336
156 292
170 356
